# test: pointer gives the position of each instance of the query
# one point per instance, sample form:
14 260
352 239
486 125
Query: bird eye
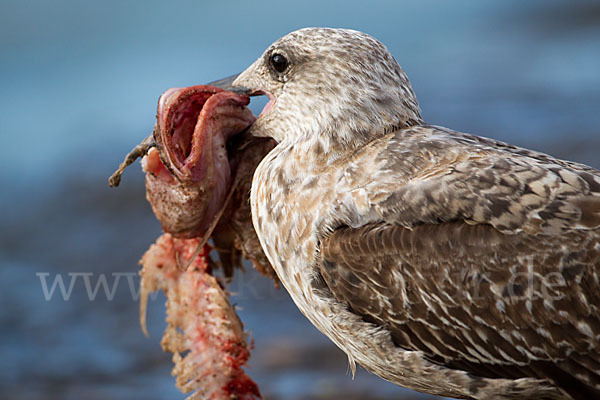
279 62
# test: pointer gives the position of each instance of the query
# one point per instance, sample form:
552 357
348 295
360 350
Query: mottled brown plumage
441 261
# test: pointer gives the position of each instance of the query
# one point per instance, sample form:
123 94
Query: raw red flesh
188 180
185 121
154 166
192 129
193 124
201 323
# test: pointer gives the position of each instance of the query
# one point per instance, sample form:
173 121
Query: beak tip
227 84
241 90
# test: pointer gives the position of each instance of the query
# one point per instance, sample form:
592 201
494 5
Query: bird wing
481 255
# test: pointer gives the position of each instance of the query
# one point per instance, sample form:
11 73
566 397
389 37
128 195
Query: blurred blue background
79 83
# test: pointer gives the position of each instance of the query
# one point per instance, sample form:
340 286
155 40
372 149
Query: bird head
339 83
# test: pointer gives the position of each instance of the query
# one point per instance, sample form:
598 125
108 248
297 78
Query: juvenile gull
441 261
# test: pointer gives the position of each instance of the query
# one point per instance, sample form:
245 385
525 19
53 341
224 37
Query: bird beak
246 87
227 84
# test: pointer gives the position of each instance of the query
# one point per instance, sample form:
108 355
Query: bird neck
318 151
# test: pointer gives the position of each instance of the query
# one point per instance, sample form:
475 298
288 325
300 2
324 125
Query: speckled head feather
338 83
441 261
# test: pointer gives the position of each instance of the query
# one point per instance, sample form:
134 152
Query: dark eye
279 62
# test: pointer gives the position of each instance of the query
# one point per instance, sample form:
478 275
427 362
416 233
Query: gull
441 261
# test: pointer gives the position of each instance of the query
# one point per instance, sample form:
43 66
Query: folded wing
481 255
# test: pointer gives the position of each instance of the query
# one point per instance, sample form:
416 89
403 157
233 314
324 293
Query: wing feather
432 175
467 300
481 255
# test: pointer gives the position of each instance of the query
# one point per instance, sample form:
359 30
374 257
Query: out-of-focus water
79 83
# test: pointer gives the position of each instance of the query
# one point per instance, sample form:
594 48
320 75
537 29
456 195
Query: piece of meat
234 235
199 166
193 126
204 333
